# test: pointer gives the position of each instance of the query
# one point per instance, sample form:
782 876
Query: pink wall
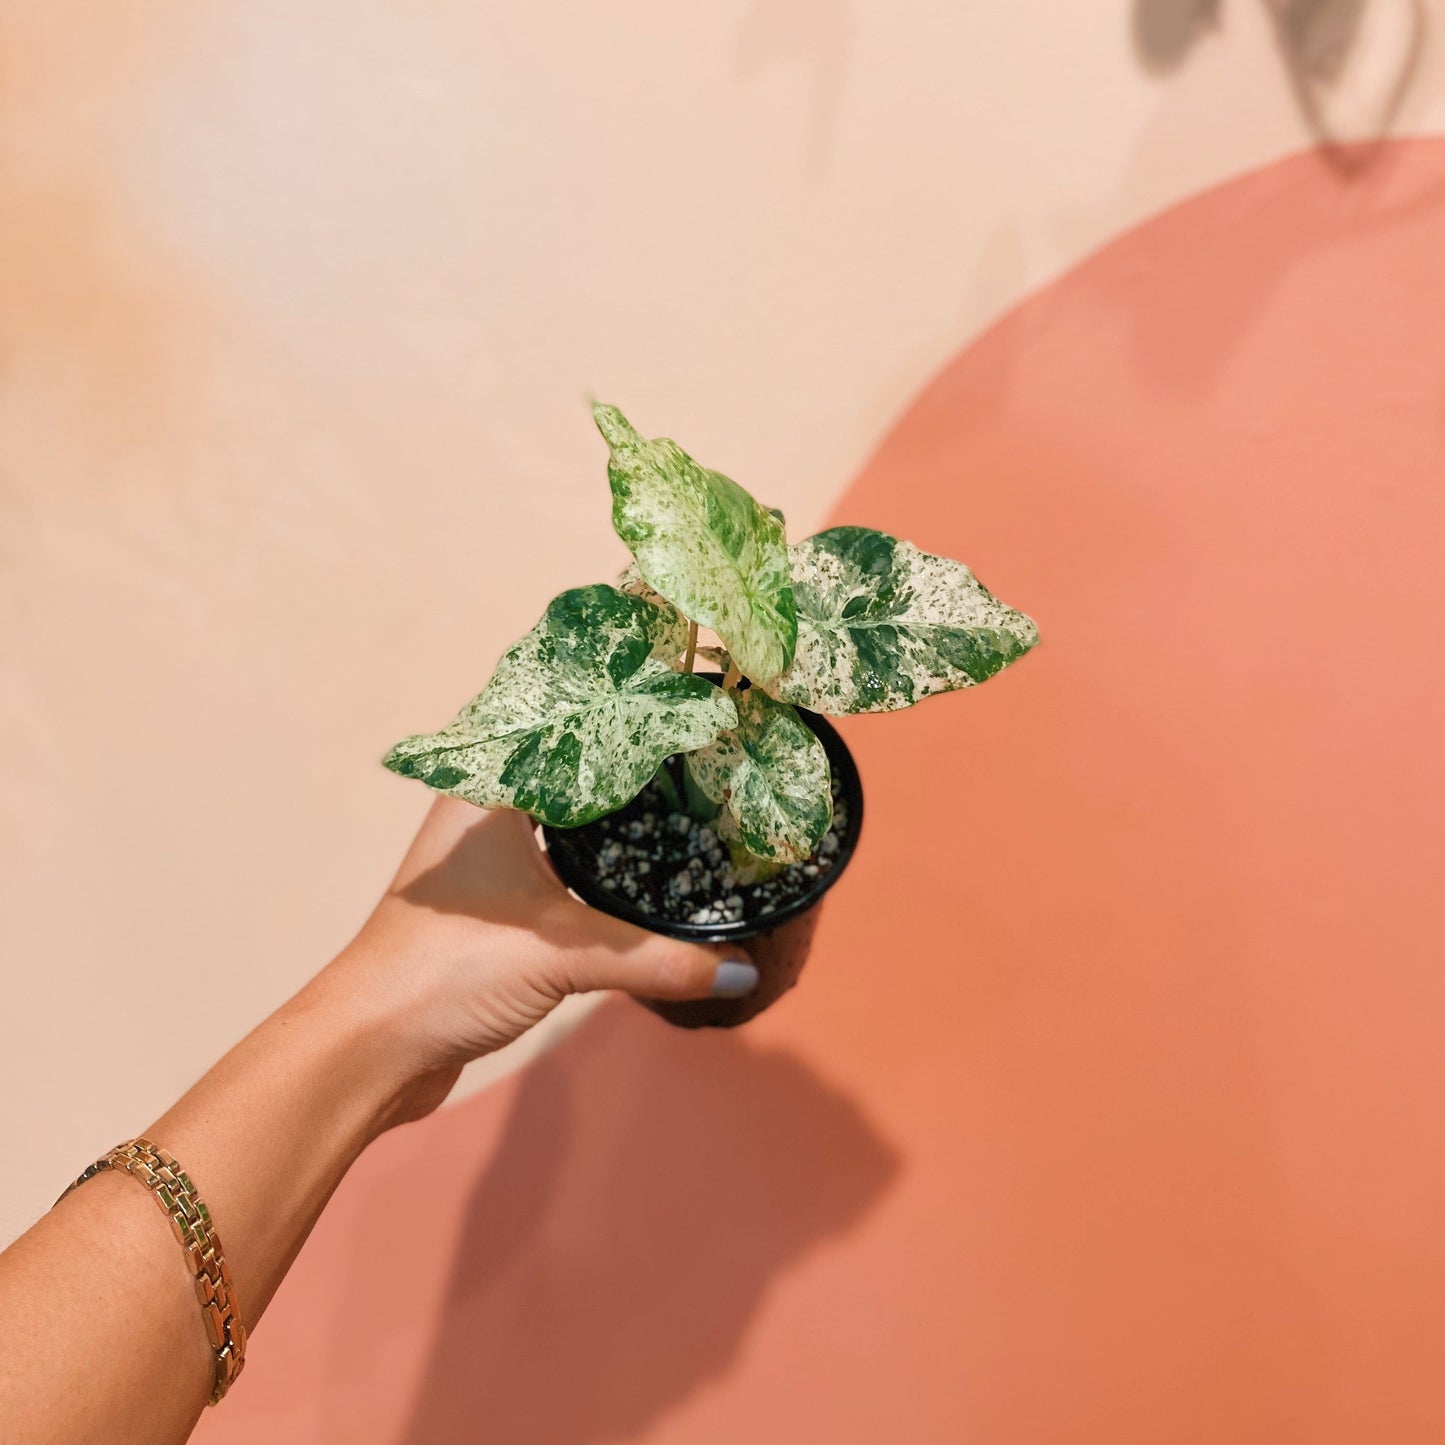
298 308
1109 1110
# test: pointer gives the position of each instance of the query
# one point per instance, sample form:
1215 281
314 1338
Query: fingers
650 966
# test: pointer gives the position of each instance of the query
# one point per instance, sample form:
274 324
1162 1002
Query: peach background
1110 1108
1126 1127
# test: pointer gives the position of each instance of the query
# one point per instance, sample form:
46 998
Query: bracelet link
190 1222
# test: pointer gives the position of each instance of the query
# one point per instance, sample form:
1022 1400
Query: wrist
269 1131
366 1007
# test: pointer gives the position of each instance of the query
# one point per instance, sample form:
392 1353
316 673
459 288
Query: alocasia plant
585 709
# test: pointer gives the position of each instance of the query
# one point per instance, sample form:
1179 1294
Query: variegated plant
601 693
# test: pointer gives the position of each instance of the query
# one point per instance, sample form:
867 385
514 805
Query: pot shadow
649 1187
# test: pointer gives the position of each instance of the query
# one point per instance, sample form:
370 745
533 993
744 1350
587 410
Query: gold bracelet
191 1221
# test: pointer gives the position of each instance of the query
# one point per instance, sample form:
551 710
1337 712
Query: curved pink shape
1110 1108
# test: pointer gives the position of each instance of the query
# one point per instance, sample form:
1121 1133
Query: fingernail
733 979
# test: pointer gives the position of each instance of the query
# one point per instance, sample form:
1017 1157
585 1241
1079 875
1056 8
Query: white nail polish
734 978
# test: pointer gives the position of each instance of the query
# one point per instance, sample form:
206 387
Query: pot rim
584 885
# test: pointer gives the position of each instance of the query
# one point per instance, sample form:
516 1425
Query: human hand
476 940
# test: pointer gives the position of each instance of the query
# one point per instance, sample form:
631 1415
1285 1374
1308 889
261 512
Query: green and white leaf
630 580
747 867
704 543
770 774
882 625
578 714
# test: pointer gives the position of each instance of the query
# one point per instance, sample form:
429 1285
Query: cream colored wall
301 305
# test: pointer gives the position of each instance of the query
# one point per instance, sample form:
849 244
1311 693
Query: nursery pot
777 943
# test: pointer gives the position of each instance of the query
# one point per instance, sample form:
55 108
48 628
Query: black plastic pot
778 945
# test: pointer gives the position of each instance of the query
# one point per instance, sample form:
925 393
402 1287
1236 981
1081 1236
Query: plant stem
699 805
669 787
687 660
733 676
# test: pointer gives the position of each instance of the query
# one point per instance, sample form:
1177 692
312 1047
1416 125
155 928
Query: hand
476 941
473 943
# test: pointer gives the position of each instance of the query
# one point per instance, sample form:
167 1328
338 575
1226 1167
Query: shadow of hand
650 1187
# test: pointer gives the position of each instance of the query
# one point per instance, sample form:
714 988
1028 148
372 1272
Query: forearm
268 1134
101 1336
99 1321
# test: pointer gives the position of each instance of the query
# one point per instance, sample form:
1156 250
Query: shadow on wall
817 34
1241 257
1349 62
649 1187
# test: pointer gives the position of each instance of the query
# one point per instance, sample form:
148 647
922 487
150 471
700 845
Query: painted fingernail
733 979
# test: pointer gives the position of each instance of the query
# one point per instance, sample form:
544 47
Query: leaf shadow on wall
1266 230
1349 62
817 34
648 1188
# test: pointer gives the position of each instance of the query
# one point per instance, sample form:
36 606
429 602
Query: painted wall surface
1107 1110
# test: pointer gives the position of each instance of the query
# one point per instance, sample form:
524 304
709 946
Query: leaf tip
1027 631
616 430
401 762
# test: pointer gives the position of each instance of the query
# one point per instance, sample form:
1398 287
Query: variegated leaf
882 625
703 543
578 713
746 866
771 776
631 581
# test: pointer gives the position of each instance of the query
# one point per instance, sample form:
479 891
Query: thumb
651 966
